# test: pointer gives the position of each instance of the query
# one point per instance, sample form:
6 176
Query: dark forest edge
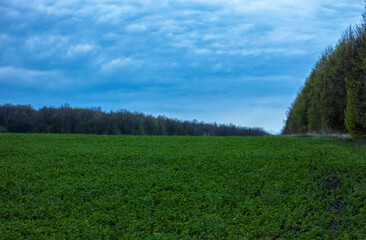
66 119
333 99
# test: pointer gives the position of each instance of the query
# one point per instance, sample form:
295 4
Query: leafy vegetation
65 119
169 187
333 99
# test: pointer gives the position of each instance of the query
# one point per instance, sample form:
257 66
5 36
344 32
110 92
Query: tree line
66 119
333 99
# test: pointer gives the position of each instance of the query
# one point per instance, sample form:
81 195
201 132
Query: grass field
144 187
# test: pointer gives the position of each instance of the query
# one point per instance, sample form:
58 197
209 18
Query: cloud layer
213 60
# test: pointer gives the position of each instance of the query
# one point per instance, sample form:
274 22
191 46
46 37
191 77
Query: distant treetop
65 119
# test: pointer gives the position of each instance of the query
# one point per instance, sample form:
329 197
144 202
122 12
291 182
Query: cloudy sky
225 61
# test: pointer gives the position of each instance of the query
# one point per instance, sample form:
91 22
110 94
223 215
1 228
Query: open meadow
173 187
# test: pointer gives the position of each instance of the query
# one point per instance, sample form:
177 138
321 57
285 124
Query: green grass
142 187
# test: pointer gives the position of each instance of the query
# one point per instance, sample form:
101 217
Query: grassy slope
70 186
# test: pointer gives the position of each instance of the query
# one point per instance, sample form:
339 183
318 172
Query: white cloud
54 9
136 27
120 63
79 49
218 67
113 13
9 13
46 45
203 51
263 51
26 74
4 38
33 78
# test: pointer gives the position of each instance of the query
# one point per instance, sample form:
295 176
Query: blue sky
225 61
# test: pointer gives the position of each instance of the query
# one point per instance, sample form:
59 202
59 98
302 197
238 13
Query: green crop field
145 187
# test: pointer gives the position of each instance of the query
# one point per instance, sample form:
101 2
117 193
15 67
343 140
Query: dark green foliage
329 103
356 90
150 187
25 119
